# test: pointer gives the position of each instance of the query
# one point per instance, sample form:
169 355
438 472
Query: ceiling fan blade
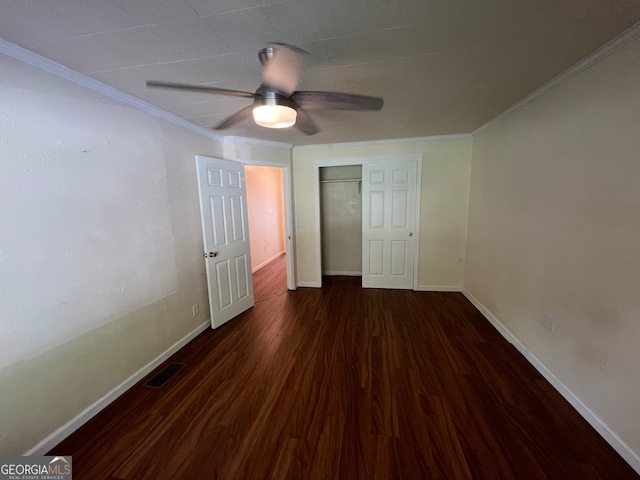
237 117
282 64
313 100
305 124
199 88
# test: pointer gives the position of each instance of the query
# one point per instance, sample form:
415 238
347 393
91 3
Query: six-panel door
388 224
225 229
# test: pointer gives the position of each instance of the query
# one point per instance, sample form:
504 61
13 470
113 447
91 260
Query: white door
225 230
388 224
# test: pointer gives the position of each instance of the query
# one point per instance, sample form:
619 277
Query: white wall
254 151
100 247
446 165
554 227
265 205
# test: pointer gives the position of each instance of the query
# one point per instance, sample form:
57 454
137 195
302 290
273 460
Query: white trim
257 142
439 288
600 54
267 262
614 440
347 273
43 63
92 410
316 221
290 232
310 284
434 138
416 233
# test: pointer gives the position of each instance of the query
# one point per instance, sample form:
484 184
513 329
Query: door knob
411 234
213 254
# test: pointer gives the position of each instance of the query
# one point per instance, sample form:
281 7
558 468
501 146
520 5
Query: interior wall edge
630 456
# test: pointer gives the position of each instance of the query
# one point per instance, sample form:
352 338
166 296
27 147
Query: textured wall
554 227
100 247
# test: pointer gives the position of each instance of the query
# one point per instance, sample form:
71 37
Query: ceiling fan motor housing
273 109
266 95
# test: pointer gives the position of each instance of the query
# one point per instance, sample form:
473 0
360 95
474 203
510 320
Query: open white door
225 230
388 224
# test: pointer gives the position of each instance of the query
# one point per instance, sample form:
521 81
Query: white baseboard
268 261
438 288
310 284
88 413
614 440
347 273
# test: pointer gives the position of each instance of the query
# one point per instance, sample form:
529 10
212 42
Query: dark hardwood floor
350 383
271 279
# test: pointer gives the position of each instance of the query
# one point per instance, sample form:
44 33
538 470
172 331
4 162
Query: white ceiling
442 66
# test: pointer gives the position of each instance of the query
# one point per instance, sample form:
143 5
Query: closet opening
341 220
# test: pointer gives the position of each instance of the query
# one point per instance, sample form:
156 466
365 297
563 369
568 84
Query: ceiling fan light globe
274 116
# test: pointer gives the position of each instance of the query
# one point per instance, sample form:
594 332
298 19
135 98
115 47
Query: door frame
288 216
340 162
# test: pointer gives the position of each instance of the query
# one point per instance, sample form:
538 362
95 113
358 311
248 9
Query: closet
341 219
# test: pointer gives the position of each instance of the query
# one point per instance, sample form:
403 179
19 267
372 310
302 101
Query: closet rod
342 180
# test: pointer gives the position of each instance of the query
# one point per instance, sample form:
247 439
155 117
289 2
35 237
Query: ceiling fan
276 102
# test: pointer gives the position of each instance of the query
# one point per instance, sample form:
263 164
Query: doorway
267 230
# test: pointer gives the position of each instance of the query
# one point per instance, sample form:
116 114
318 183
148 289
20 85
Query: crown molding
49 66
628 36
434 138
257 142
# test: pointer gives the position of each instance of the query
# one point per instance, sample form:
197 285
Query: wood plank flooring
271 279
346 383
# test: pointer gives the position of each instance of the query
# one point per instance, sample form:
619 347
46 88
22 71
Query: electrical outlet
460 261
195 310
547 322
